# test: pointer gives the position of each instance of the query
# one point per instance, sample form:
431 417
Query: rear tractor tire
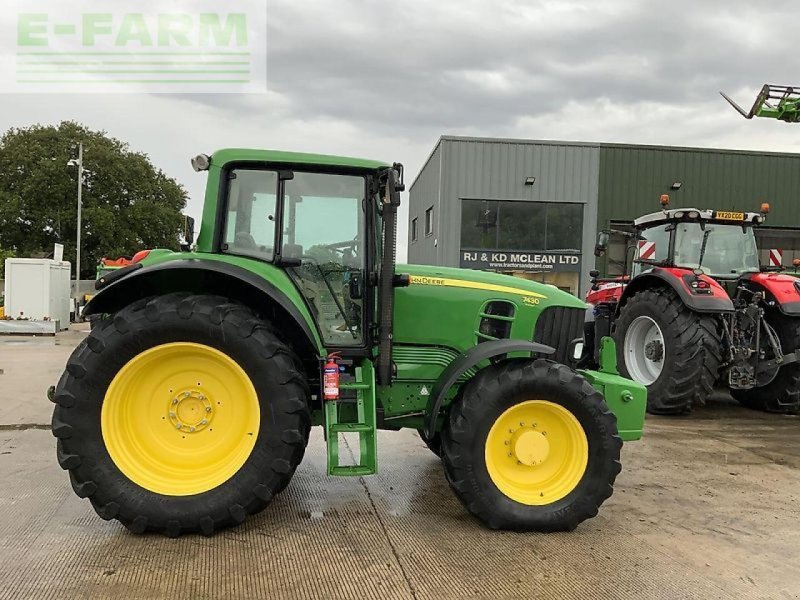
782 393
672 350
181 414
531 446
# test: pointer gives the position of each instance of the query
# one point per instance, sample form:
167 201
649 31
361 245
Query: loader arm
773 102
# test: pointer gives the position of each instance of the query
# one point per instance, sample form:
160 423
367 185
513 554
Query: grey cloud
384 80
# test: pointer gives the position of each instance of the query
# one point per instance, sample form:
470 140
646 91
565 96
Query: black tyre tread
518 378
124 330
434 443
696 352
782 394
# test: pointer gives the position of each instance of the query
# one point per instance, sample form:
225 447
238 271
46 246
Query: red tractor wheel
672 350
780 392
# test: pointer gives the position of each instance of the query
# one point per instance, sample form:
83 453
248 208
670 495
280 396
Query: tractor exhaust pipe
390 200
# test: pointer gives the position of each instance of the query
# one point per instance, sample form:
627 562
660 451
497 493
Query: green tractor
189 405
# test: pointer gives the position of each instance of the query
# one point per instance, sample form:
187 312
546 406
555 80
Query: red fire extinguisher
330 378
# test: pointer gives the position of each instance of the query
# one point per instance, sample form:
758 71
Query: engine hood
492 283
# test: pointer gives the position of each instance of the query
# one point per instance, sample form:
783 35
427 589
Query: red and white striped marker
647 250
775 258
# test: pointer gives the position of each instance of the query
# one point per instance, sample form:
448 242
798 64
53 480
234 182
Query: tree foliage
128 204
4 254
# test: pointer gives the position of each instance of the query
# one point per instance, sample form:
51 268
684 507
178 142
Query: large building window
429 221
414 229
517 225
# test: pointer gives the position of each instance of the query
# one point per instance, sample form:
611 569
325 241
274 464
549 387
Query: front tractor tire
672 350
531 446
781 393
181 414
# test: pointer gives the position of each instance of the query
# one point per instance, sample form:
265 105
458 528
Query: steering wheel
343 247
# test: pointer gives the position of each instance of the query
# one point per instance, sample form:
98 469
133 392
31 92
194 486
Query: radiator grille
557 326
495 321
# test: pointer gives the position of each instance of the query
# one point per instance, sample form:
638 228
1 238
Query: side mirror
399 185
602 244
188 233
393 185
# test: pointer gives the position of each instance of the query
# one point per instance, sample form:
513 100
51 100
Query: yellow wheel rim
536 452
180 418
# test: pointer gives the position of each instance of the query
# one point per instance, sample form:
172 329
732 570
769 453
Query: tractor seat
245 241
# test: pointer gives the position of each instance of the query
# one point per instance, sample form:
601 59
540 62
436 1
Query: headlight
201 162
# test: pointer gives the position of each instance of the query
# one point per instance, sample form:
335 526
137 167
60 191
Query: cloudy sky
385 79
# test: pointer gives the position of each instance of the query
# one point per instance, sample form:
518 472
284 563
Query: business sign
123 46
514 260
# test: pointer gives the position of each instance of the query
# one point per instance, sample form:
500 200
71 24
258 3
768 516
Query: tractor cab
719 244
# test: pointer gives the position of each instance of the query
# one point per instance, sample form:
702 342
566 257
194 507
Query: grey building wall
424 193
612 181
495 169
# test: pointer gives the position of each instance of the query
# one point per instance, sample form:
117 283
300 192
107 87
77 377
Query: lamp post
78 163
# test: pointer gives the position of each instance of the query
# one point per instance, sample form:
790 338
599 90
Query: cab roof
730 217
228 155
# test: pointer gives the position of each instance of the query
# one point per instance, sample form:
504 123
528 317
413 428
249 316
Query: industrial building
533 208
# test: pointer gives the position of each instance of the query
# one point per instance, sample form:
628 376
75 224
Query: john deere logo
108 49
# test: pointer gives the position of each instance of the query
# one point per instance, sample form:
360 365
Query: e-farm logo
100 47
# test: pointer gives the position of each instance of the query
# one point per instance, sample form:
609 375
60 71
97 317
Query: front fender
464 363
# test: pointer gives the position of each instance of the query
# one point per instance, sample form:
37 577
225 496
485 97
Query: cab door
323 239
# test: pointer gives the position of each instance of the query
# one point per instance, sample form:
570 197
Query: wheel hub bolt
654 350
190 411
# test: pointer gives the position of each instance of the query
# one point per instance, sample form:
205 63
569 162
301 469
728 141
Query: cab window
660 237
250 216
324 229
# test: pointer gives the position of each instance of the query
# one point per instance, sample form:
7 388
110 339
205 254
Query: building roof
534 142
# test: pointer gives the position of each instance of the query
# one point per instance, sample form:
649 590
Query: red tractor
696 309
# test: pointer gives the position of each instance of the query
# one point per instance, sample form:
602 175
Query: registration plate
726 215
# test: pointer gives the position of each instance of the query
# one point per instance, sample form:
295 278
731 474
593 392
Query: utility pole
80 207
78 163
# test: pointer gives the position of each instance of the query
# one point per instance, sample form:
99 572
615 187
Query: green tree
4 254
128 204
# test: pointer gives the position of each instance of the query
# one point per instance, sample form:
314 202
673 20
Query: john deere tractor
189 405
697 308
